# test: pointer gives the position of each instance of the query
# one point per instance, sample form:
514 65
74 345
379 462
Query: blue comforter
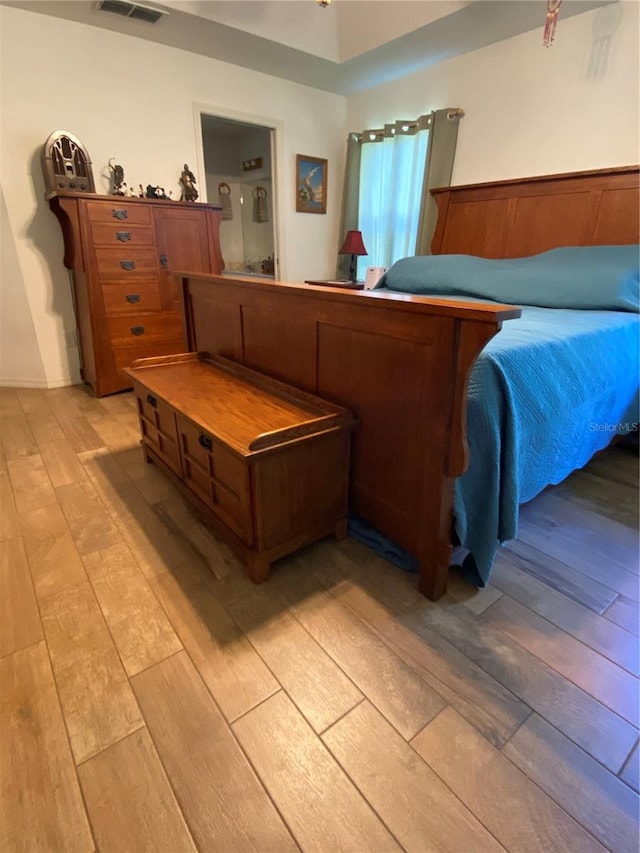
551 389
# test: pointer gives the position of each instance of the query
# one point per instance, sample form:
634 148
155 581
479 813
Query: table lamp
353 246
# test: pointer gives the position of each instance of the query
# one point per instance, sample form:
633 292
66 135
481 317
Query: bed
549 391
402 362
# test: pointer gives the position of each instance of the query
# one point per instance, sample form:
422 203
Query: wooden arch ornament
66 164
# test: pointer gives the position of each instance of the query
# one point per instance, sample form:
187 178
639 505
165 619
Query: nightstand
334 282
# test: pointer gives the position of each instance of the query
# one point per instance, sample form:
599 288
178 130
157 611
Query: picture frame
311 184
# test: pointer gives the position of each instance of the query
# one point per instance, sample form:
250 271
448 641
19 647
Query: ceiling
349 46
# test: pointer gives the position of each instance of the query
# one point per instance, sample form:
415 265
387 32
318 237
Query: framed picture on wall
311 184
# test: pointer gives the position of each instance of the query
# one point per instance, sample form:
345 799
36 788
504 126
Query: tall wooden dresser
119 250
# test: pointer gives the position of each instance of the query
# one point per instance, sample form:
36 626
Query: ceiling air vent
131 10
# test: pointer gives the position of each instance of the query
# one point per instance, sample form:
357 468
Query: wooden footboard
399 363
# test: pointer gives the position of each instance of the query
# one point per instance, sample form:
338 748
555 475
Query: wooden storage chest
266 463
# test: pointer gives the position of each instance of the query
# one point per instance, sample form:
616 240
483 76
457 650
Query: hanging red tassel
553 7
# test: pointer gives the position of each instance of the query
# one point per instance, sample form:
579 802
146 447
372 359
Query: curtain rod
404 128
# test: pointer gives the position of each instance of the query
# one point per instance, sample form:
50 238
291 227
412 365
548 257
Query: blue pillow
589 277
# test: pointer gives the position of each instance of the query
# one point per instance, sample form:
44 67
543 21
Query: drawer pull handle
133 298
120 213
137 330
164 263
128 265
205 441
152 401
123 236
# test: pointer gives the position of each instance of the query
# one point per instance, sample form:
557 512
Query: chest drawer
126 263
133 298
108 234
158 426
217 476
118 212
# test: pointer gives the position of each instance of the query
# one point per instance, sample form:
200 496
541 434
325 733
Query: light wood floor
153 699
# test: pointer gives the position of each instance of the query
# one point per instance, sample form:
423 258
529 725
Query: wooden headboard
510 219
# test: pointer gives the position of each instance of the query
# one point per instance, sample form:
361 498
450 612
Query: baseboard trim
12 382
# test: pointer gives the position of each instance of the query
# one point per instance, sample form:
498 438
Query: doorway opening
239 172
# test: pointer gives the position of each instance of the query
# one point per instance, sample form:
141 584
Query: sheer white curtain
389 172
391 188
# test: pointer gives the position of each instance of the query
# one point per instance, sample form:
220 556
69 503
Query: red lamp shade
353 244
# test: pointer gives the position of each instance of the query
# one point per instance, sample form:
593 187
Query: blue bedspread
545 394
551 388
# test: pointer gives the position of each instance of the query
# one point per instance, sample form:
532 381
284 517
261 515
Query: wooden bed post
434 562
435 548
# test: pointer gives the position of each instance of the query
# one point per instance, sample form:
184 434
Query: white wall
222 150
258 239
132 100
19 348
529 110
231 239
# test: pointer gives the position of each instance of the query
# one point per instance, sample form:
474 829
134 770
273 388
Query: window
389 173
391 185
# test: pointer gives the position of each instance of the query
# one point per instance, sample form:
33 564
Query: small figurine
188 181
117 179
156 192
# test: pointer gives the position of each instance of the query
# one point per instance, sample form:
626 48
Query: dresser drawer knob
164 263
152 401
205 441
133 298
123 236
120 213
128 265
137 330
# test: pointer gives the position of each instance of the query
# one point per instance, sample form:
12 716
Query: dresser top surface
123 199
245 410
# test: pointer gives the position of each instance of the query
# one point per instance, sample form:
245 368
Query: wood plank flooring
151 698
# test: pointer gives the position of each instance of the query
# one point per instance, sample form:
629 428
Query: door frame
277 173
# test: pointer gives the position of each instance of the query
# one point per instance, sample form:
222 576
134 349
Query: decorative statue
188 181
117 179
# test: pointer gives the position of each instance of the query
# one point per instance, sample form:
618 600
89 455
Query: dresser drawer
131 331
217 476
126 263
118 211
139 296
108 234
